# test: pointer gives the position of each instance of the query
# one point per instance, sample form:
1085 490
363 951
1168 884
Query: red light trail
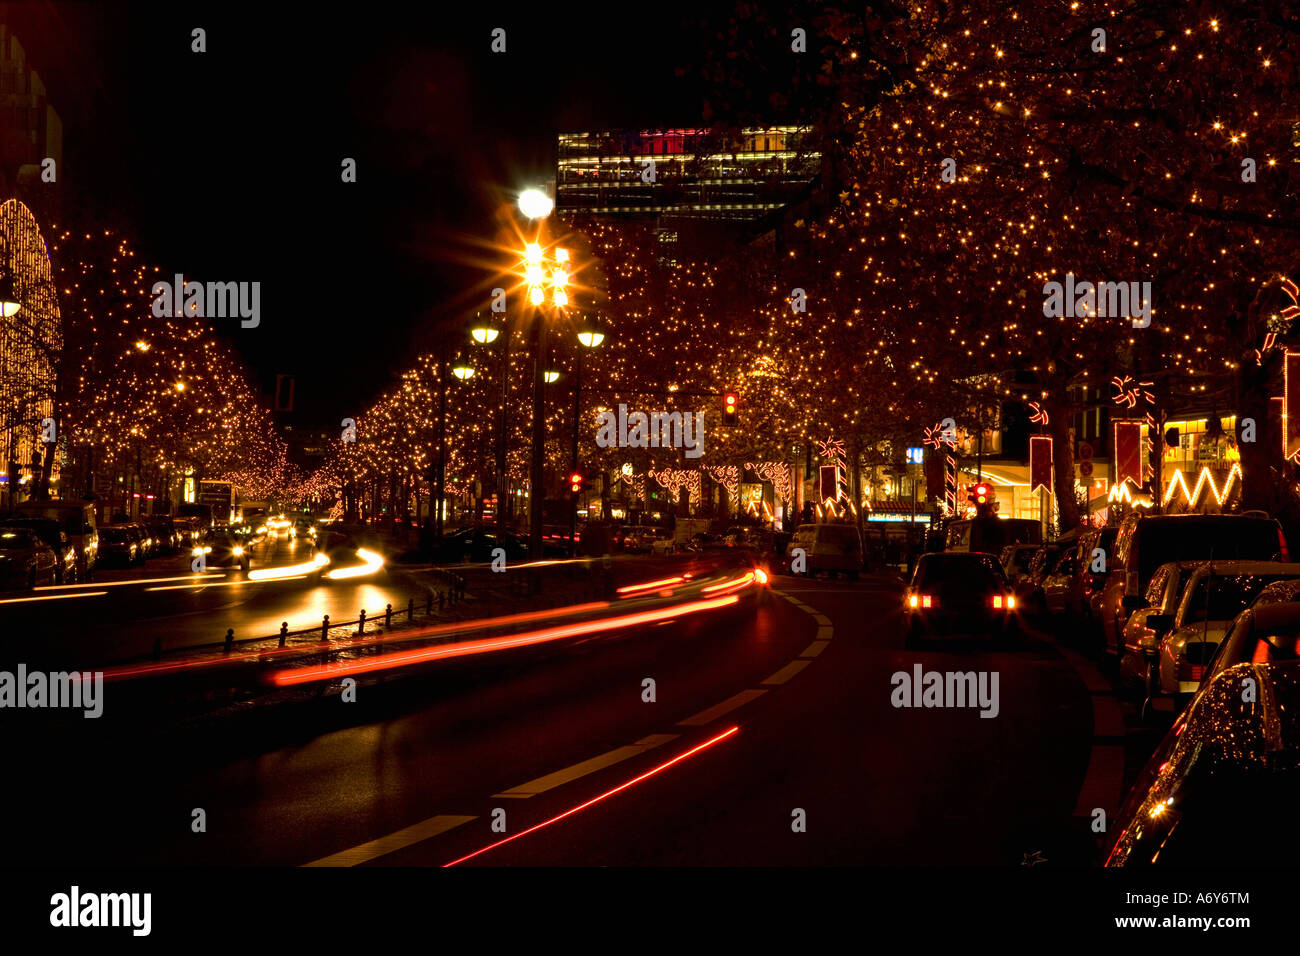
609 793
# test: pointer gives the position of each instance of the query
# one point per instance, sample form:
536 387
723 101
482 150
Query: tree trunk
1063 467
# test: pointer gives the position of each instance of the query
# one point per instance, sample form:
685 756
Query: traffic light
982 497
729 408
575 482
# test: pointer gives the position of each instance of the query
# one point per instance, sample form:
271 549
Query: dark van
1145 542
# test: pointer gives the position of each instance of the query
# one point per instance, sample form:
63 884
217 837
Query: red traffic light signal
575 482
729 403
980 494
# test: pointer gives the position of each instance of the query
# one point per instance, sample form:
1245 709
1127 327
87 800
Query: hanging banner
1128 453
1291 406
828 485
1040 463
934 474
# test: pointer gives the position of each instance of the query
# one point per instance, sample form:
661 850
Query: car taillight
913 600
926 600
1011 602
1281 542
999 601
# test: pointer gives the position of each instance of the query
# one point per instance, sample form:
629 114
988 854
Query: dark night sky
226 165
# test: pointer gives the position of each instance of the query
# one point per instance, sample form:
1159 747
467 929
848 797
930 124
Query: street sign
1085 451
915 456
1085 469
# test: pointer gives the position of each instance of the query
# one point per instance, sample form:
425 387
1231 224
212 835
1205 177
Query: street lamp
484 330
535 204
462 370
589 337
551 376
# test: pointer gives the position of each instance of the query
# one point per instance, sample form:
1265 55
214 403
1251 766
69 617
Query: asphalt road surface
773 737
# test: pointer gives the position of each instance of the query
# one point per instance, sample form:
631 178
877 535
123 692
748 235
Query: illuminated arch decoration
675 479
778 473
726 475
32 339
1193 497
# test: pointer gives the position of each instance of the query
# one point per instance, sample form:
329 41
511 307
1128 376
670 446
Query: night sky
226 165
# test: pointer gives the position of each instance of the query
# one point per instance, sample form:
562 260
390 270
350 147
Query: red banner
1040 463
1291 405
1128 453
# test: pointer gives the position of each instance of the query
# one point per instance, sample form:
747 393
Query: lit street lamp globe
535 204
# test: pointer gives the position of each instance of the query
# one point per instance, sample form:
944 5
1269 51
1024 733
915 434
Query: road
781 706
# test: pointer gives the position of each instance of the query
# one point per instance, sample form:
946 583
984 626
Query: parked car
49 531
962 592
1015 560
1140 663
1062 590
1029 588
77 519
118 546
143 541
25 560
829 548
663 543
1096 550
1215 594
1145 542
477 545
1222 758
160 533
1262 634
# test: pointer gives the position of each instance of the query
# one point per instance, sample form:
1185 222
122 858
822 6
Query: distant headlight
237 551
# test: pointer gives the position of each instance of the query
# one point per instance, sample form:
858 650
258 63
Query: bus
991 535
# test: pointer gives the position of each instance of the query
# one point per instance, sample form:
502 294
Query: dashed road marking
568 774
394 841
717 710
815 648
785 673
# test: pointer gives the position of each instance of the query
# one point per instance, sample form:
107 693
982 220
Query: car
1223 756
959 592
1139 664
164 533
1029 587
1015 559
25 560
829 548
118 545
1215 594
663 543
1264 633
1095 548
77 520
222 549
49 531
304 528
478 544
1060 587
142 538
1145 542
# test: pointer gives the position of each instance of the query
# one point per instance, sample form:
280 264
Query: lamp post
484 331
540 273
589 337
463 371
